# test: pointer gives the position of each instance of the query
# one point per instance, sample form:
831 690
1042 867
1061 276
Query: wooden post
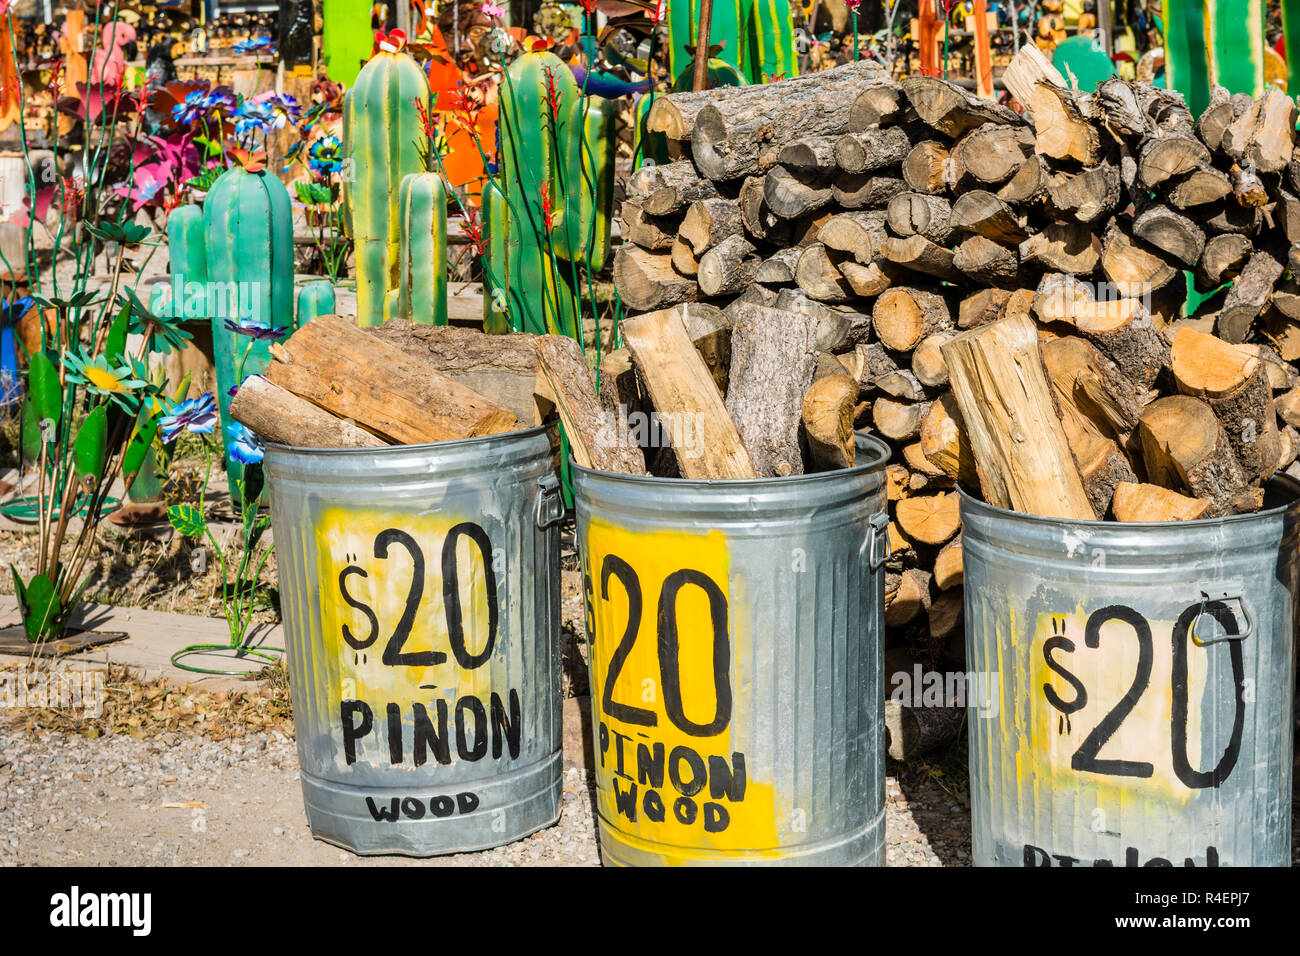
928 39
702 45
984 51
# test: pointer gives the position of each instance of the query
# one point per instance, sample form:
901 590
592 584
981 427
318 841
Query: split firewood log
1234 383
1185 448
997 377
827 416
773 356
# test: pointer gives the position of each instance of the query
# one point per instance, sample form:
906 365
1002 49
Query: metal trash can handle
878 540
548 509
1234 591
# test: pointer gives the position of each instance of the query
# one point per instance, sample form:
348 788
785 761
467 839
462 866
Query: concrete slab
154 637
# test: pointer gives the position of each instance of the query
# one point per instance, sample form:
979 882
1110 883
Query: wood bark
773 355
998 379
332 363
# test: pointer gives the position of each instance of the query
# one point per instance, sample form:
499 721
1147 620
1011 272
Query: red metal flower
474 232
538 44
392 42
427 125
547 216
465 106
552 93
56 80
659 12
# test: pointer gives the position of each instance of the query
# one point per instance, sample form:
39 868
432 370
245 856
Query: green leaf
133 457
90 450
187 520
116 344
31 431
42 610
45 389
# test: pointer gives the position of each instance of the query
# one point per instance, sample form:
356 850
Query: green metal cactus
1212 43
422 251
557 191
769 39
315 299
726 29
493 215
384 141
756 37
245 247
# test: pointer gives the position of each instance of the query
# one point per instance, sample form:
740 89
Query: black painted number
394 655
669 648
1087 757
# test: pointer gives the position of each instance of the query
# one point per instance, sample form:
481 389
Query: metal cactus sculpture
1212 43
556 161
422 251
315 299
237 261
383 141
756 37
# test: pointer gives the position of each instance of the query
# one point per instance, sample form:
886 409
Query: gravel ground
69 800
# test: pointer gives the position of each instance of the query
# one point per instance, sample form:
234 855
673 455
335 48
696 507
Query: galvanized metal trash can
737 634
420 589
1145 678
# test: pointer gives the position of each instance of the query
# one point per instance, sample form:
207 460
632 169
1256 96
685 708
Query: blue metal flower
326 156
256 330
243 446
196 415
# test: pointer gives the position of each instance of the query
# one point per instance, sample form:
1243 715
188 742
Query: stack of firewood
334 385
989 282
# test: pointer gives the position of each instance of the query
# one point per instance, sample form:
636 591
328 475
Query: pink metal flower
490 9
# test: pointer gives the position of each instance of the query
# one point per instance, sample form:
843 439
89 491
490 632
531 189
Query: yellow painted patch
1061 732
356 670
632 677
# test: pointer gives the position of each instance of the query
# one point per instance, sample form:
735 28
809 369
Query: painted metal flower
243 445
116 383
490 9
263 44
192 109
256 330
325 157
164 331
253 116
198 416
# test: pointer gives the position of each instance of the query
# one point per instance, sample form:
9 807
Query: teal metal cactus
556 161
384 140
315 299
422 251
245 249
493 213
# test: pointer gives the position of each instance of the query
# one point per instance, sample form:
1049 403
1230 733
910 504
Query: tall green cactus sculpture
383 141
493 214
1212 43
556 191
422 251
244 252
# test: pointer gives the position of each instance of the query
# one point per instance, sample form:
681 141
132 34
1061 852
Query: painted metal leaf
31 431
90 450
41 608
133 457
43 385
116 344
187 520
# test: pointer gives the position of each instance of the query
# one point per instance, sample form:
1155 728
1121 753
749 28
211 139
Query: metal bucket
421 594
1145 676
736 632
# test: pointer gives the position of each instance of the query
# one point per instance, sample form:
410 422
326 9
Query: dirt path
66 800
